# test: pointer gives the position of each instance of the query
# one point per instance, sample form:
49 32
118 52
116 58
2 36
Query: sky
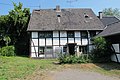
95 5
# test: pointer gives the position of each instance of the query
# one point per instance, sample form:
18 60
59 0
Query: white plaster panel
55 41
42 42
34 42
70 40
77 34
33 55
48 41
116 47
78 41
63 34
63 41
84 42
34 49
55 34
34 34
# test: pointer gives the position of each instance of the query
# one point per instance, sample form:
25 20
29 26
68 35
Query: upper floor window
84 34
41 35
70 34
92 33
45 34
49 34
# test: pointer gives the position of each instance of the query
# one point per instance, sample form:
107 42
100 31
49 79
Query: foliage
18 21
7 51
112 12
102 50
13 28
64 58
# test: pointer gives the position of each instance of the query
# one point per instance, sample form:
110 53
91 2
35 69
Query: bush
7 51
101 52
64 58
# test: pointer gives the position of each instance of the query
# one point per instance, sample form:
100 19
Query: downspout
88 40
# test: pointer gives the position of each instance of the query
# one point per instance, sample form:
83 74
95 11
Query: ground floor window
83 49
46 51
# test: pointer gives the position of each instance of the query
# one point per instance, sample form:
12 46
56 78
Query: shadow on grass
109 66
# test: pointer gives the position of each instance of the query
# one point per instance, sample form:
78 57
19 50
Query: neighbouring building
112 34
62 31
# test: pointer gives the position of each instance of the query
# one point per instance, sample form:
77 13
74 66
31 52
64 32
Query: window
92 33
70 34
84 34
83 49
48 34
41 35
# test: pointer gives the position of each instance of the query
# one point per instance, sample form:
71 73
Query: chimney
100 15
58 8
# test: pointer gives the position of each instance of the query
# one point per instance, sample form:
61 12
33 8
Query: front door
71 47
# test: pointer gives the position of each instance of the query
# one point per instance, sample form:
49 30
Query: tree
18 21
102 50
111 12
3 31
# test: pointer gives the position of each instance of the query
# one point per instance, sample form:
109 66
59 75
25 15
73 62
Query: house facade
60 31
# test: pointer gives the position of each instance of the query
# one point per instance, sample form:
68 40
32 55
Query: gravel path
74 74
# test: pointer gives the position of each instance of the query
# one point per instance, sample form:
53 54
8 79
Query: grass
12 68
19 68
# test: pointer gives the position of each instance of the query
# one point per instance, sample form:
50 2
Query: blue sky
96 5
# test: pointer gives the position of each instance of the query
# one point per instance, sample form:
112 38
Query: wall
55 43
116 57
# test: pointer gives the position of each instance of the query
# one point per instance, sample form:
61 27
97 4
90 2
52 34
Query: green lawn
18 68
12 68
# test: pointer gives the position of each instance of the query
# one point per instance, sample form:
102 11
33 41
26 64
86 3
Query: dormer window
86 15
58 16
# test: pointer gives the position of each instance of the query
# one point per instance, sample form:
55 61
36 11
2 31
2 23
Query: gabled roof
70 19
111 29
109 20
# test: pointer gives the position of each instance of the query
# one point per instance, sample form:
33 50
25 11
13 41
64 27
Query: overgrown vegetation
20 68
102 50
7 51
63 58
14 26
101 53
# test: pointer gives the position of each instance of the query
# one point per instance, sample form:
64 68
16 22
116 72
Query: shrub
7 51
102 51
64 58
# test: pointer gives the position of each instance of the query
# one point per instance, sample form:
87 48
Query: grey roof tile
109 20
71 19
111 29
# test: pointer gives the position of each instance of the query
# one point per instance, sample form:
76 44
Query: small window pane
63 34
70 34
84 34
77 34
48 34
55 41
92 33
41 34
34 34
55 34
